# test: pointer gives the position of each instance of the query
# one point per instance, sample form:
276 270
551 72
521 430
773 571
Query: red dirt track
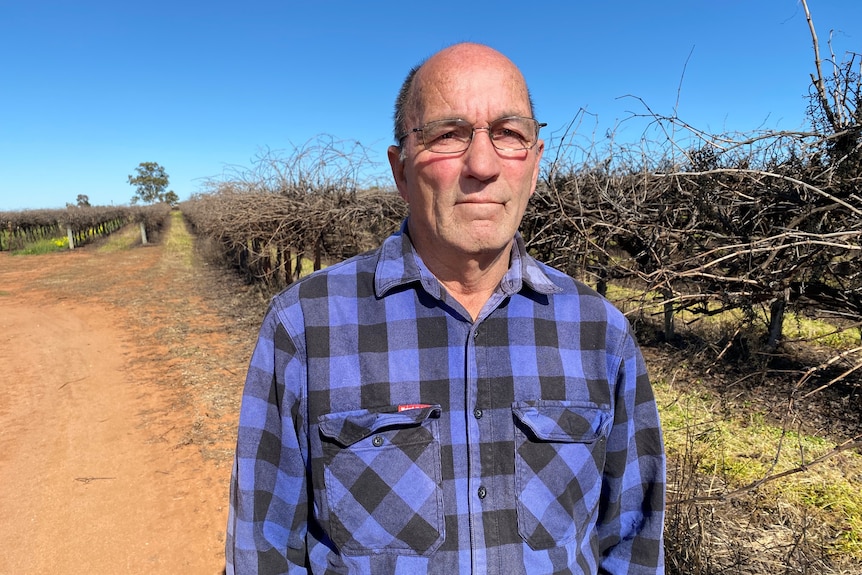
120 374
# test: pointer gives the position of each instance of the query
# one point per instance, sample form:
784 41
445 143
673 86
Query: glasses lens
447 136
514 133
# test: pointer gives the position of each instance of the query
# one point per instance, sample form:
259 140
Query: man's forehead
452 67
454 87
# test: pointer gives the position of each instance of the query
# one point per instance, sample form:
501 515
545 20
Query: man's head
466 203
406 102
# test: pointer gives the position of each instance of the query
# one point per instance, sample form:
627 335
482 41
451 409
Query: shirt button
477 413
482 492
377 441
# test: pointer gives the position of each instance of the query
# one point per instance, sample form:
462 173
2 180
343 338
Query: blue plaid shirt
383 431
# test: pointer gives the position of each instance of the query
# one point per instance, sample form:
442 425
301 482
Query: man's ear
397 166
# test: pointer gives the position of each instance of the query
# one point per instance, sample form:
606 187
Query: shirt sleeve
631 520
267 520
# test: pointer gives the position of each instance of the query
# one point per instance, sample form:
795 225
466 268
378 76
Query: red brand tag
412 406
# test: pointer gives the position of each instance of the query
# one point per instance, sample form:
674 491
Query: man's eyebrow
463 119
448 119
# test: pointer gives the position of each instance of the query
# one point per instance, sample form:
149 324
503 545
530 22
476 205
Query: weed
43 246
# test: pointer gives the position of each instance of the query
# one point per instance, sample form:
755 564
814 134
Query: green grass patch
307 267
123 239
795 327
43 246
799 327
733 452
179 243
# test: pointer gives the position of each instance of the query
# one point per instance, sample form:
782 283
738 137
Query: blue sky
90 89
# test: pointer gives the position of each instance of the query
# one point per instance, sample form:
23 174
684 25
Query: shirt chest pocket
559 457
383 480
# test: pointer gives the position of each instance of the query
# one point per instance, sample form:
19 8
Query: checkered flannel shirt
383 431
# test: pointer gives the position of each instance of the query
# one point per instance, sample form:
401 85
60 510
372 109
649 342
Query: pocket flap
348 427
562 421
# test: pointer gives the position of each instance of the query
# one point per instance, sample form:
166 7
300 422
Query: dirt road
121 368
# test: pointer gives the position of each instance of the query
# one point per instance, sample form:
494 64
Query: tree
150 182
171 198
83 201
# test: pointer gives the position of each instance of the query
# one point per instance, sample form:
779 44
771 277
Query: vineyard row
80 225
701 241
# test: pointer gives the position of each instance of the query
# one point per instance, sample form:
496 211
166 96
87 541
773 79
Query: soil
121 372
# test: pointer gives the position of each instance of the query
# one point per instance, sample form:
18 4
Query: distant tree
150 182
171 198
83 201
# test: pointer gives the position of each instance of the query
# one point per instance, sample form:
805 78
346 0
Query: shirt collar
399 264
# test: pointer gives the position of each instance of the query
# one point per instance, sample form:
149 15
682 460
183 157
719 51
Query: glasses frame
421 131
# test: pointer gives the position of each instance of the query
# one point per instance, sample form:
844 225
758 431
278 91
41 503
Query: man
446 404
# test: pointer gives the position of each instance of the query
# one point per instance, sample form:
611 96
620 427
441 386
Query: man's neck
470 278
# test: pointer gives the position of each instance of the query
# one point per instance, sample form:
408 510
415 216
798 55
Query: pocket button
377 441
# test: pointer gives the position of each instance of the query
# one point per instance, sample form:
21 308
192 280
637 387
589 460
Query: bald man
447 404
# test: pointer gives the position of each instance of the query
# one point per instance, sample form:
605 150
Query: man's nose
482 159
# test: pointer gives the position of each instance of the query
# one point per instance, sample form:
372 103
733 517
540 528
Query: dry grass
123 239
744 493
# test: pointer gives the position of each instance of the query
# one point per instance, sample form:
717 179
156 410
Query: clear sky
91 88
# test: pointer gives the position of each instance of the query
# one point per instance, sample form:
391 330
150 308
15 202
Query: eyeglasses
509 134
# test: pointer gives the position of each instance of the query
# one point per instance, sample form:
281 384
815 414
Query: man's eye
448 132
508 134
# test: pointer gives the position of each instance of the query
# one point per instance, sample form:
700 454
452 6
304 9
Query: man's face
467 204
